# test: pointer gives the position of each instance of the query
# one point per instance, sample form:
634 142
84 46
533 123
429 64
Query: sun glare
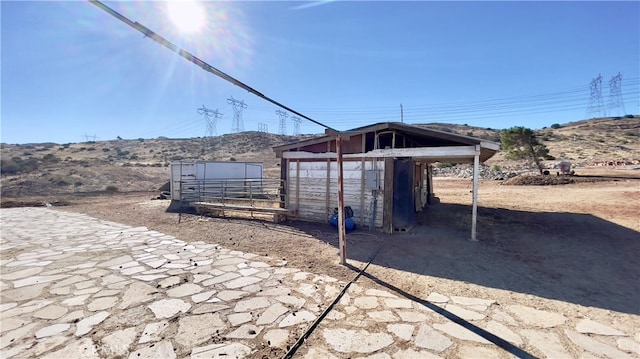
187 16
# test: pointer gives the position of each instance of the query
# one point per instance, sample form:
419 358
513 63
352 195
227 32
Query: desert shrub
50 158
106 149
111 188
9 167
61 181
77 183
140 139
232 159
496 167
66 145
630 134
17 165
120 153
444 165
133 157
555 126
91 149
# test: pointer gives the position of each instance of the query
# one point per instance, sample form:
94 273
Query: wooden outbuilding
387 172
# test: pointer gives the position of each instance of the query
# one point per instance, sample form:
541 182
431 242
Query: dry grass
141 164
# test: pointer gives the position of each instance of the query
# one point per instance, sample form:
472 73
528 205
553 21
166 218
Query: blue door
403 201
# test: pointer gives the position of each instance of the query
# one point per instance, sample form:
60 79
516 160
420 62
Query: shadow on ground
570 257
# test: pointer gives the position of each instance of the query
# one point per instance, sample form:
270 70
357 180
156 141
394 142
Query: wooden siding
309 190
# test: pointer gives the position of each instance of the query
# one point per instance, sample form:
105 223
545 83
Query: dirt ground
572 248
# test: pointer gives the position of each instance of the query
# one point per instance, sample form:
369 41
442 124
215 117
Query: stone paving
74 286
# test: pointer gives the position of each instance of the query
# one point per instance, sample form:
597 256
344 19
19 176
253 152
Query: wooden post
327 193
297 187
362 175
341 228
474 211
387 208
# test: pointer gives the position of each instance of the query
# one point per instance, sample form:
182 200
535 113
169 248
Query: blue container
349 224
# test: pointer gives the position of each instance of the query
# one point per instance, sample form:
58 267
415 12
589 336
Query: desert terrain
569 249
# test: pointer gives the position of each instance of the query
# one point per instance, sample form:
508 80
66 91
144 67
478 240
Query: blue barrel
349 223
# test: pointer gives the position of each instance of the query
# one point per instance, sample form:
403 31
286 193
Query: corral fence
235 197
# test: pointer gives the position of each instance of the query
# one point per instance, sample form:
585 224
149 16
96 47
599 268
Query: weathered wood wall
313 189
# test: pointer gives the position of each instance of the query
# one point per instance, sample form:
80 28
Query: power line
296 125
616 102
262 127
596 107
283 121
238 106
190 57
211 117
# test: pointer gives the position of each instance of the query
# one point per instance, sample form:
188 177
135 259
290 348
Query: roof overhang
458 149
459 154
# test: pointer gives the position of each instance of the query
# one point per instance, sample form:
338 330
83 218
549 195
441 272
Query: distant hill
141 164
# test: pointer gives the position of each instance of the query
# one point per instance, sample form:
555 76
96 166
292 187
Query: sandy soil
571 248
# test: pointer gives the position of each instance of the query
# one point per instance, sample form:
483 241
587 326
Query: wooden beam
420 152
327 194
362 173
474 211
342 234
297 187
387 211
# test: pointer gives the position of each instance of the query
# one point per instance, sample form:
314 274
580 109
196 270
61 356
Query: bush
61 181
17 165
496 167
9 167
111 188
106 149
444 164
555 126
50 158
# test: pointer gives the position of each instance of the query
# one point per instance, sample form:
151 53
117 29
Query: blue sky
70 70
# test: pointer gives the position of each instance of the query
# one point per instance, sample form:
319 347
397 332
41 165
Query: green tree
521 143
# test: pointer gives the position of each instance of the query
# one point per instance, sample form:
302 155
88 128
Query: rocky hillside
141 164
596 142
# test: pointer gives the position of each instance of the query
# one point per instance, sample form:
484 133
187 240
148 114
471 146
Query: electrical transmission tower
238 106
211 117
616 103
596 107
283 121
296 125
90 139
262 127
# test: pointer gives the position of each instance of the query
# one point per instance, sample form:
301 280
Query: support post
341 227
476 174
